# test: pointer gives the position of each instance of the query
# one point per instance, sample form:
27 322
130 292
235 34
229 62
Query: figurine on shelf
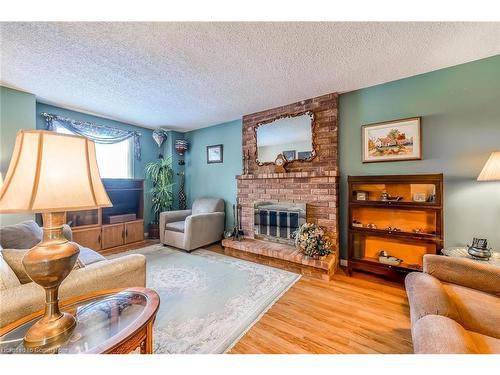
392 229
385 197
371 226
384 257
357 224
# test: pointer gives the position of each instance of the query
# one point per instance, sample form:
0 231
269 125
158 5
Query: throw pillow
24 235
8 278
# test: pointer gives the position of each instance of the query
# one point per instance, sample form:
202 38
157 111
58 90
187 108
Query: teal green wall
460 110
149 148
17 111
214 180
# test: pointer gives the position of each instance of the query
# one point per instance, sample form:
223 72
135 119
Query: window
114 160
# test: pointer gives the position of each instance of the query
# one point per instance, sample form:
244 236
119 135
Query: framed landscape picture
215 154
392 140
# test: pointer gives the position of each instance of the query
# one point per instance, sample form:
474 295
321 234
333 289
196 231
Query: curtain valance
97 133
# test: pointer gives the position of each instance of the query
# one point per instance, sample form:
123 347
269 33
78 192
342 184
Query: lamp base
47 334
48 264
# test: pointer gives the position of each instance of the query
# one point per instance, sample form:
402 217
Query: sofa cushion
477 311
24 235
176 226
14 258
427 296
8 278
434 334
207 205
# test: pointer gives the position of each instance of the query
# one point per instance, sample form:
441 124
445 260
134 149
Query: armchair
191 229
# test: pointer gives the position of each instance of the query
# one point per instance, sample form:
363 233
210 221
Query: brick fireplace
313 183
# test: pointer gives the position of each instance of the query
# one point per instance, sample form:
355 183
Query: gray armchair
191 229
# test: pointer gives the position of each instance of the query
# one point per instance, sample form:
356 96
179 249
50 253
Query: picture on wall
392 140
289 155
214 154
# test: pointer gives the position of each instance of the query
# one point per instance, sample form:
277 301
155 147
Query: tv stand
91 229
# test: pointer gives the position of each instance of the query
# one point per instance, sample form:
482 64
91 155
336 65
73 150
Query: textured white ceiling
190 75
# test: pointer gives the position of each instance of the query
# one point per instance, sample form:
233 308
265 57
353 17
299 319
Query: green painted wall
149 148
17 111
214 180
460 109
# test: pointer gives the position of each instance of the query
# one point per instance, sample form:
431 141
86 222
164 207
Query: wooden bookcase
91 228
372 222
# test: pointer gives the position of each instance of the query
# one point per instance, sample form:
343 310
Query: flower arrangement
312 240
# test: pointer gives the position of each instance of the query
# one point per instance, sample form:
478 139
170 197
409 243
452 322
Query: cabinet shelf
402 265
404 235
394 204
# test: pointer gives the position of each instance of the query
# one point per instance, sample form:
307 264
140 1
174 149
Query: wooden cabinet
134 231
88 237
113 235
401 216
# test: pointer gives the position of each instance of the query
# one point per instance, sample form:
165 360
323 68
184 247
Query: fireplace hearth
277 221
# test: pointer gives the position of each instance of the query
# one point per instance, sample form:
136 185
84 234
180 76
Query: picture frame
290 155
395 140
419 197
304 155
361 195
215 154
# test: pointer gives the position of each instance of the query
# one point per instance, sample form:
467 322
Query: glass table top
99 319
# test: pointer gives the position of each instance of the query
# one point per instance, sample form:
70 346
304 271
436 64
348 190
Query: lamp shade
51 172
491 170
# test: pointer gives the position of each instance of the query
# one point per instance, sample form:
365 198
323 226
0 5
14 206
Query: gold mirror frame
288 115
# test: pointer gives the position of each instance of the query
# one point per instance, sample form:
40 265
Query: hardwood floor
351 315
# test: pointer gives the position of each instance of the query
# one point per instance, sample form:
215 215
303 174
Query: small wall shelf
406 228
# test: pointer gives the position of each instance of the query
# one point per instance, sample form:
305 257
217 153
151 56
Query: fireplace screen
276 221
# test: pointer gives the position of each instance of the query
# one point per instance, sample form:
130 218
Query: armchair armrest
464 272
171 216
201 229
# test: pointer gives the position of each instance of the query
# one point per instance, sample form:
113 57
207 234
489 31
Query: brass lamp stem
48 264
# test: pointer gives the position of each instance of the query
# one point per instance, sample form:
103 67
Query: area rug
208 300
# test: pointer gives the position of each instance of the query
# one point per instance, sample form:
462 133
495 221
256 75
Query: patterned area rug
208 300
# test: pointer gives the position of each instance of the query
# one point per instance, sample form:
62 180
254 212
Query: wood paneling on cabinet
113 235
89 237
134 231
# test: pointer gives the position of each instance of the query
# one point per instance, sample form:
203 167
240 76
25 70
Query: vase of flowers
312 241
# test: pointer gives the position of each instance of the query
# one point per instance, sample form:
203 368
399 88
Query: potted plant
312 241
161 174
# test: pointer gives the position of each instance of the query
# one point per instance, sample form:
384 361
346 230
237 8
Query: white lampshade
491 170
51 172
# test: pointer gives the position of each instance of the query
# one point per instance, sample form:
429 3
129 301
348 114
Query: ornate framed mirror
288 138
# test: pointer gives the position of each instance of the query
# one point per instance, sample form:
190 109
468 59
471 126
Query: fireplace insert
277 221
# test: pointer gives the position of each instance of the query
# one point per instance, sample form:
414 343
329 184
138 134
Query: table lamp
51 173
491 170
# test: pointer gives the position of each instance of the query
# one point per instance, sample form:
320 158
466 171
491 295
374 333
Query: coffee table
115 321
